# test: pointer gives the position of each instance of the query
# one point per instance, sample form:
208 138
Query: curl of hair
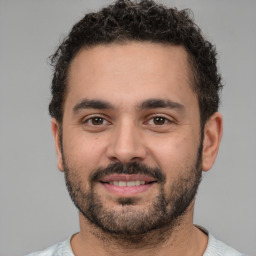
145 20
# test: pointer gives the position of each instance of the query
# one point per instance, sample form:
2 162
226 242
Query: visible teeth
137 183
127 183
122 184
131 183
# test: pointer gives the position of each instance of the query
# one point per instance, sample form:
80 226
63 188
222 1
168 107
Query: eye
96 121
158 120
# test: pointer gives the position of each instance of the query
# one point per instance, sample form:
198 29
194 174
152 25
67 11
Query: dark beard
128 222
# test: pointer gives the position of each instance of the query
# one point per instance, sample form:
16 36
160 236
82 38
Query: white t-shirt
214 248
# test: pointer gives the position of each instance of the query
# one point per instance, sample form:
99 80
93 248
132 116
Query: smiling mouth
127 184
121 183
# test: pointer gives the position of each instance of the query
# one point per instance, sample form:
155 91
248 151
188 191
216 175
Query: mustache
129 168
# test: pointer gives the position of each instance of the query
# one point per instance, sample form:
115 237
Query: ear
56 136
212 136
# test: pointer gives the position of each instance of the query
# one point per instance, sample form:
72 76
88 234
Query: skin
125 76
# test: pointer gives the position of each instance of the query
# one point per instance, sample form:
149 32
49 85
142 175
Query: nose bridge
126 143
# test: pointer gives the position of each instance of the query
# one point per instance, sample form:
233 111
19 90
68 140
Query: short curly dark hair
145 20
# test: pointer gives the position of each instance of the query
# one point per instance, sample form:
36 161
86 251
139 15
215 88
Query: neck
183 238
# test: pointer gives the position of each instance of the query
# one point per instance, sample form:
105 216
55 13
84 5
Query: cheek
82 151
174 154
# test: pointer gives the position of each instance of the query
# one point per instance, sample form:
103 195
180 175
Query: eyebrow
92 104
147 104
160 103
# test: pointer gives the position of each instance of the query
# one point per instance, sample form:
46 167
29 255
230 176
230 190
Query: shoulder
59 249
218 248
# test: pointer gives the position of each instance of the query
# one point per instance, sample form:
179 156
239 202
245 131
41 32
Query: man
135 96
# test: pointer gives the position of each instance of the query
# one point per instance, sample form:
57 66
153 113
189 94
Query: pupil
97 120
159 120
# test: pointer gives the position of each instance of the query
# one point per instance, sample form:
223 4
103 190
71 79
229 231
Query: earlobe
56 136
212 136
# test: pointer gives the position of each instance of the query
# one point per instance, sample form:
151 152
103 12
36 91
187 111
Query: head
135 95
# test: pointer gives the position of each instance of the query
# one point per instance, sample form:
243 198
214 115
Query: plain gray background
35 207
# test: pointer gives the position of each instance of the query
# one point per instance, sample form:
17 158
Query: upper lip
127 177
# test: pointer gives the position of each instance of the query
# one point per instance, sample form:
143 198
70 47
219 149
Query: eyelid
88 118
167 118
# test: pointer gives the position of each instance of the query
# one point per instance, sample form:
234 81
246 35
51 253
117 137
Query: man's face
131 139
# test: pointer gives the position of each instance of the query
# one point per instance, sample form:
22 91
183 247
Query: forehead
137 70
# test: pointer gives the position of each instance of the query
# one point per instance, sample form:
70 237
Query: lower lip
127 191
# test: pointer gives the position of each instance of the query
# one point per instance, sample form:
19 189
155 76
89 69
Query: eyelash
93 118
153 118
149 121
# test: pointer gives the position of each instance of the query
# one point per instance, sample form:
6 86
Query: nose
126 144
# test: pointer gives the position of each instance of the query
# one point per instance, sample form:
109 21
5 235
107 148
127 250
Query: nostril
114 159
